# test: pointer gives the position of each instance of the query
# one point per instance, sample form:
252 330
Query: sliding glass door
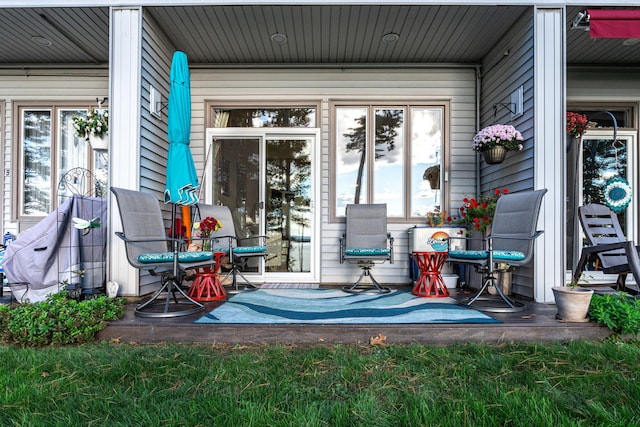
267 180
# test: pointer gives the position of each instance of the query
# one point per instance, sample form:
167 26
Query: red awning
614 23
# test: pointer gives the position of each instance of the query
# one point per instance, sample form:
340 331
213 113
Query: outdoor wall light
155 103
279 38
41 41
390 38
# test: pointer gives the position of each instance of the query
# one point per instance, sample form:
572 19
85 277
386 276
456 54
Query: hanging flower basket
495 155
494 142
99 142
93 127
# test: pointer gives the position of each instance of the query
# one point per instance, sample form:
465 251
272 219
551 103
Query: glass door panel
288 204
236 183
599 160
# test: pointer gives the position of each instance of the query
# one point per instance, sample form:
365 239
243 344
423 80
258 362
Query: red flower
209 225
478 212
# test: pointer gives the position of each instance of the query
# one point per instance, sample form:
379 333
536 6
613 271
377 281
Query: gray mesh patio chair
148 248
366 242
606 241
511 242
239 250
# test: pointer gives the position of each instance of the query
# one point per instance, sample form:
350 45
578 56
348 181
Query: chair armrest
261 239
606 247
166 239
511 237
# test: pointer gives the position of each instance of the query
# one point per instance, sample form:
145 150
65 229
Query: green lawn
108 384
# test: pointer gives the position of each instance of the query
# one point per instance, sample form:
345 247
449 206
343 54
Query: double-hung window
389 153
47 148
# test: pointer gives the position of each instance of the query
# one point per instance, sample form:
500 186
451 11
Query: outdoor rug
325 306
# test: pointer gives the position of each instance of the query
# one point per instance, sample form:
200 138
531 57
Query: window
48 148
389 154
285 116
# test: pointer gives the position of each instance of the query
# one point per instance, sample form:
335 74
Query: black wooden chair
606 240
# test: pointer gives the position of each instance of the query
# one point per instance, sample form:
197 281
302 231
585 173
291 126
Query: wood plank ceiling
316 35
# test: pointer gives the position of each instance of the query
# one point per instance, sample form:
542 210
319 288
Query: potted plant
94 128
476 213
494 142
572 302
207 227
577 125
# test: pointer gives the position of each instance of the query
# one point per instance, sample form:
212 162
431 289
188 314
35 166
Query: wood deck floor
536 324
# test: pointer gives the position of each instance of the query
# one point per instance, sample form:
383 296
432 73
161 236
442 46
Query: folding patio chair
147 247
606 240
511 242
366 242
239 250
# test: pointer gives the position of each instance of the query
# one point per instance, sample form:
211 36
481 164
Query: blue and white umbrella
182 180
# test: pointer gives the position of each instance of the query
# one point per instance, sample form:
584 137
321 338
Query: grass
575 384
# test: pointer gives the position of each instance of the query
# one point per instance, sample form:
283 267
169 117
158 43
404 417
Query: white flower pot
99 142
572 303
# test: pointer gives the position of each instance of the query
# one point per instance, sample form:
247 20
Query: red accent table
206 286
430 283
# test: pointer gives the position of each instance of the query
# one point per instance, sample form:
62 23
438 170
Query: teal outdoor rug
325 306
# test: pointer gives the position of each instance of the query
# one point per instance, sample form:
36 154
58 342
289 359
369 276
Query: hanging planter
99 142
94 127
494 142
495 155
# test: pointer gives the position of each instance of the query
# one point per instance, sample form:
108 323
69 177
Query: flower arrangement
96 122
498 135
577 124
207 226
477 213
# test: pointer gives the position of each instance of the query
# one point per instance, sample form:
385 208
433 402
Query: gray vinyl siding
457 86
502 74
157 52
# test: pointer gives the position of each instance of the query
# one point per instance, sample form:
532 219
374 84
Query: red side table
430 283
206 286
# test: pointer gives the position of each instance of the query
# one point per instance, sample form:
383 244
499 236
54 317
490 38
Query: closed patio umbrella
181 181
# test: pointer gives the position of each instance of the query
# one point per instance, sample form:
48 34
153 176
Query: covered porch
322 55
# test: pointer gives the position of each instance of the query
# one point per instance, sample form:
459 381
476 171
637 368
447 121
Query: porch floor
537 323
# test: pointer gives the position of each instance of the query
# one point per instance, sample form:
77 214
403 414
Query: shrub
58 320
619 312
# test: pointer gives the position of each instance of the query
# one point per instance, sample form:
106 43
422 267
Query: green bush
58 320
620 312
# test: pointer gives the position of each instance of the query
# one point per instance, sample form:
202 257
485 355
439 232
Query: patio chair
239 250
511 242
147 248
366 242
606 240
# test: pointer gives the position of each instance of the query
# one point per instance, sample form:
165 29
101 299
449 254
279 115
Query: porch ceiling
316 35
